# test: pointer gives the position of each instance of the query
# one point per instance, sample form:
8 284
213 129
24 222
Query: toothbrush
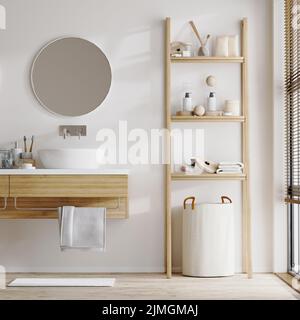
31 146
25 146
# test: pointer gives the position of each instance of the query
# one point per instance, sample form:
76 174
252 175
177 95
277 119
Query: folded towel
234 171
234 168
231 164
82 228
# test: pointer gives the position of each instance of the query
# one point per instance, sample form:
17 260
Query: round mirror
71 76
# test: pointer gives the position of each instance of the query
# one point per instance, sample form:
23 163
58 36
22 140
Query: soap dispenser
188 102
212 102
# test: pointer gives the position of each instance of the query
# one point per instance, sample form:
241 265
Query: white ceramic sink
69 158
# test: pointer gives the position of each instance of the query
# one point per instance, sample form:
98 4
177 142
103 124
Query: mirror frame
32 70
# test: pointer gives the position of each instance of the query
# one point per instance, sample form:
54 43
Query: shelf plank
188 177
207 60
208 119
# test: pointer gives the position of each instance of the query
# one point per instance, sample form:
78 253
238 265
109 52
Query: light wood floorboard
156 286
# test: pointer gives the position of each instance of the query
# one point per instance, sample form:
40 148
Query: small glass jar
187 50
6 159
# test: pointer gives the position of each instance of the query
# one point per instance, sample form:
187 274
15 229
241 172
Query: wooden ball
211 81
199 111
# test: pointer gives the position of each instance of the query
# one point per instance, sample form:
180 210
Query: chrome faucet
72 131
79 133
66 133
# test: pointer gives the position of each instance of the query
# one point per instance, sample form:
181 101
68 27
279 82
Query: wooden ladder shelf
244 178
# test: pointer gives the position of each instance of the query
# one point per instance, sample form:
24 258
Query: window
292 126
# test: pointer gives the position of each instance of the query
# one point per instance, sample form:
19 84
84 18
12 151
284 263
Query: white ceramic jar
232 107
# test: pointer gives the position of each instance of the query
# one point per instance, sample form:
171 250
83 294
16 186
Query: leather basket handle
226 198
193 202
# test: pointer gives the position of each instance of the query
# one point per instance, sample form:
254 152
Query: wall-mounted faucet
79 133
66 133
72 131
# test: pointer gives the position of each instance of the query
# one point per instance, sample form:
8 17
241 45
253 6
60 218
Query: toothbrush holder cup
26 155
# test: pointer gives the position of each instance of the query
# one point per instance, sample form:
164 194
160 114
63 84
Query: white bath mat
62 282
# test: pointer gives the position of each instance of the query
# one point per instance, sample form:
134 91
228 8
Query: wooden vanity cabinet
83 186
38 196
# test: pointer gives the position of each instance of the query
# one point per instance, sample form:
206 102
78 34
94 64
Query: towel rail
5 204
49 209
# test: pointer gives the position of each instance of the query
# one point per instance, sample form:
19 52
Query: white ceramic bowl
69 158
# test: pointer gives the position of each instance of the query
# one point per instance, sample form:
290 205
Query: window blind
292 99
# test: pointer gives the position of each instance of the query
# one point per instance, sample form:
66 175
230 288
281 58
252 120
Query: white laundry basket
208 239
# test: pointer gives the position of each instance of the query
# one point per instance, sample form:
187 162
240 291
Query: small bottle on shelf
188 102
212 102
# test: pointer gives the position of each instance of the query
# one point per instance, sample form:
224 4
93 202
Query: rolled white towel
207 166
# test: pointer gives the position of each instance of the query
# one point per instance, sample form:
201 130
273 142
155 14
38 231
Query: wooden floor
156 286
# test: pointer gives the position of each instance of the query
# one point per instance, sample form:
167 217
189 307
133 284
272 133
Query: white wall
131 34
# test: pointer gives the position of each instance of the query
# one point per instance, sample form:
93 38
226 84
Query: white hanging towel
82 228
